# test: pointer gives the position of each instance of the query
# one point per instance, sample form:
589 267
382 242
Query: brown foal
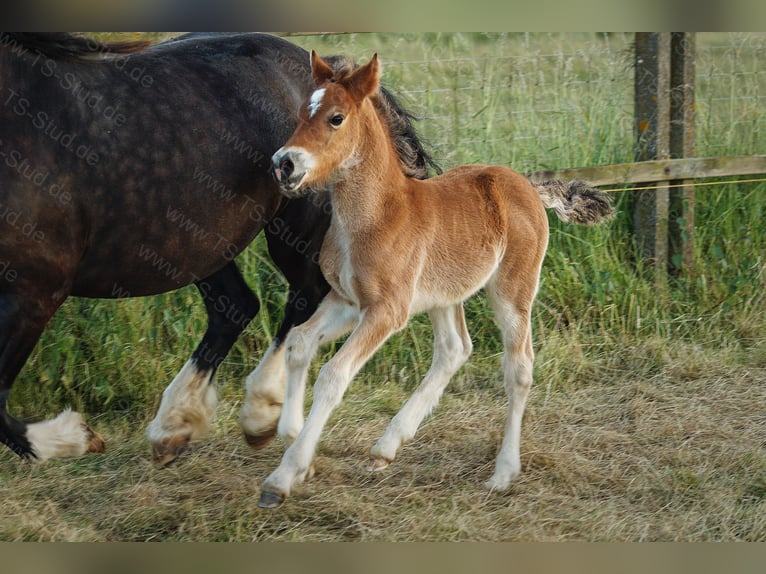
399 246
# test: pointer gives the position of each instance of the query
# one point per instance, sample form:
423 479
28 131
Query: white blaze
315 102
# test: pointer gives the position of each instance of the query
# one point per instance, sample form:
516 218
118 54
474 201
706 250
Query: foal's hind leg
188 403
452 347
515 323
21 323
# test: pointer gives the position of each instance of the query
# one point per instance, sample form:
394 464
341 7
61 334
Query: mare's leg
514 320
294 239
188 403
376 325
452 347
21 324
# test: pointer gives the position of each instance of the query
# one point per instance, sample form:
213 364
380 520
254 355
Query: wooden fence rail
675 173
659 170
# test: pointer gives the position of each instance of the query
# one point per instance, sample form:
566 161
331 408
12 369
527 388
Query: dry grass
673 455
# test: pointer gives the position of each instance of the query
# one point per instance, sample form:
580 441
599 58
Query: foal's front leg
334 318
264 395
376 325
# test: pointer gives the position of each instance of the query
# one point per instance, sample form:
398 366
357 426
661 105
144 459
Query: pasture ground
656 444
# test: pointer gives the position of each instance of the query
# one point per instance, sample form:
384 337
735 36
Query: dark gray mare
129 170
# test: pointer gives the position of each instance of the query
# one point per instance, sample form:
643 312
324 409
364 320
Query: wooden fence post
682 143
652 132
663 218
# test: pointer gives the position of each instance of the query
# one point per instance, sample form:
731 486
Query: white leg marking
517 371
452 347
264 394
333 319
301 349
64 436
329 388
187 407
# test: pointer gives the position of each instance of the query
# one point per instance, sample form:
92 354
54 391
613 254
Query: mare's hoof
169 449
270 499
96 442
260 440
377 463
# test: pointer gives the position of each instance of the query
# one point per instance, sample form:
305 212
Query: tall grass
531 101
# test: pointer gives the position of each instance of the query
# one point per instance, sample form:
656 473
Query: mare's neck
373 179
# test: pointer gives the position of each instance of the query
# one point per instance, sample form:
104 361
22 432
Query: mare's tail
575 201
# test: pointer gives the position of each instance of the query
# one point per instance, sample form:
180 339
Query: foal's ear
365 80
320 70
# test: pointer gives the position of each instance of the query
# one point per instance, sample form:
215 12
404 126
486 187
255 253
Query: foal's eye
336 120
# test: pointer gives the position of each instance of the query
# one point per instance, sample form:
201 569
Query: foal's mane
65 46
413 157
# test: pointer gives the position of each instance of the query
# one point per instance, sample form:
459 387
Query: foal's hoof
270 499
167 451
258 441
95 442
377 463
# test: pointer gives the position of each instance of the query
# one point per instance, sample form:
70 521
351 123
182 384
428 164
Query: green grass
646 419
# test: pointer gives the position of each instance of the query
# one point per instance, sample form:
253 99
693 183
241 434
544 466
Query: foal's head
328 127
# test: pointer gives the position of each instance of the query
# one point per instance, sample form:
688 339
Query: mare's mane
65 46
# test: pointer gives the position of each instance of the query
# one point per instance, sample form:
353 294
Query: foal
399 246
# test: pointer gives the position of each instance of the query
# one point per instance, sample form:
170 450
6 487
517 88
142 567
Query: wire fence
544 101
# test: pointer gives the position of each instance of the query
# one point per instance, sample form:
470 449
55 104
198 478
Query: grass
646 420
661 453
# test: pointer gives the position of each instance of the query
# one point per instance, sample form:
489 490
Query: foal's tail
575 201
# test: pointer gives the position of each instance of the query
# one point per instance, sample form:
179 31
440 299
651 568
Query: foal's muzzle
289 167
